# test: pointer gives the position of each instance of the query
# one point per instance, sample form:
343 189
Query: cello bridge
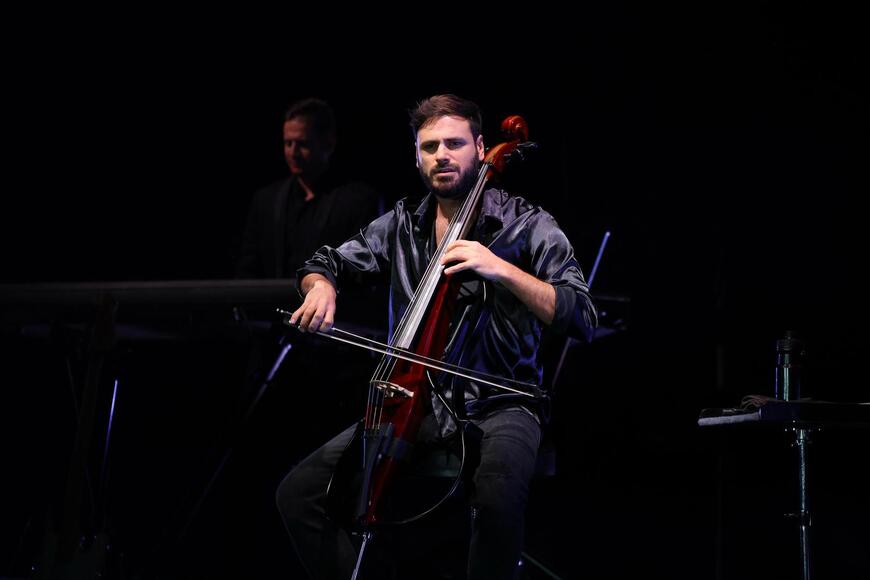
392 389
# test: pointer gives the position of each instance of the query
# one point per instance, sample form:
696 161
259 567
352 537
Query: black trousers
497 499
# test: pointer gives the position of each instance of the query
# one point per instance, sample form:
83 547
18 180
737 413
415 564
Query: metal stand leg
68 551
525 557
229 451
362 550
801 440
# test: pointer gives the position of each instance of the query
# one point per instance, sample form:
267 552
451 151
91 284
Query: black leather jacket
498 335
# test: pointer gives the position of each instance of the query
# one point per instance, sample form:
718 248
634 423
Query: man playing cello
523 259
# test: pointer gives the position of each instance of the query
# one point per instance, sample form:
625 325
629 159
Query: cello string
387 365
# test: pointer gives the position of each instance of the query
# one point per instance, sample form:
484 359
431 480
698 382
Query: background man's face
306 152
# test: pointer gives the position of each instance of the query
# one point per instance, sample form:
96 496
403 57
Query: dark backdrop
724 147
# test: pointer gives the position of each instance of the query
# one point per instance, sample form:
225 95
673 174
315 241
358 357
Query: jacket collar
491 215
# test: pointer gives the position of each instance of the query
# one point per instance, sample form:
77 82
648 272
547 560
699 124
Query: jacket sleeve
552 260
369 252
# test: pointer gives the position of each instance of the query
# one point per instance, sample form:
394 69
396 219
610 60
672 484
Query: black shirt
504 339
283 230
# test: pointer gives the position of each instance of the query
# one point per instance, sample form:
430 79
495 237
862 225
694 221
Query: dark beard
459 189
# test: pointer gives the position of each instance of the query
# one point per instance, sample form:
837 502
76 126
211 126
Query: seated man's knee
500 497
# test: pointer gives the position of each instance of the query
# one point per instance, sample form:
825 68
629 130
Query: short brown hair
316 112
442 105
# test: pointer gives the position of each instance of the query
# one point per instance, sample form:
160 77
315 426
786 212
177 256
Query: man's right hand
318 309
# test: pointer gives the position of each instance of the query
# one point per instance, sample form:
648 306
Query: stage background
724 148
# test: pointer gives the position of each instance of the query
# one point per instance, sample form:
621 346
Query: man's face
306 152
448 157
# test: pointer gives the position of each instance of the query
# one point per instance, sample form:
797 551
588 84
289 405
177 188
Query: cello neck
459 227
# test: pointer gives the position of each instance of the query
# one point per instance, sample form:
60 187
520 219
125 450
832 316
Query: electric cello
372 484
